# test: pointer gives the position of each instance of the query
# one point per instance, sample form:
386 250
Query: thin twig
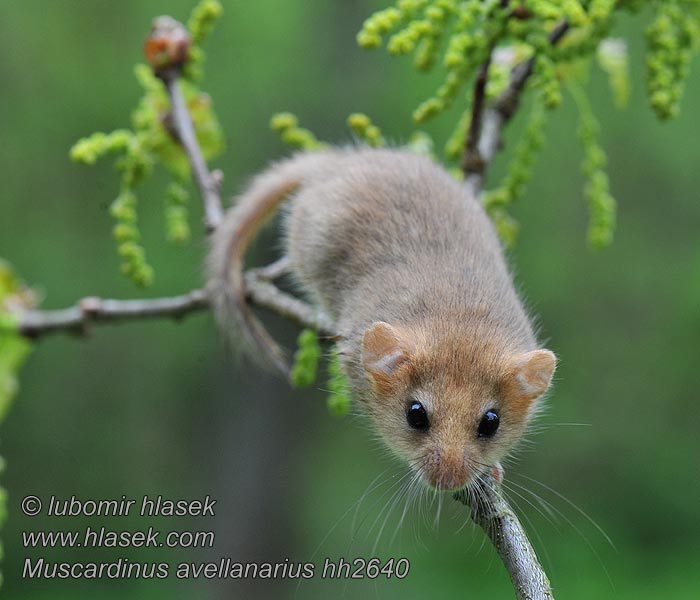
274 270
472 161
501 111
508 536
207 183
267 295
168 48
77 319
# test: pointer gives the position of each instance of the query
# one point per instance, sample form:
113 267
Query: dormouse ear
529 376
384 350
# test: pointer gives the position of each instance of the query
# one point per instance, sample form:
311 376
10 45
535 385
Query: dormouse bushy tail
225 262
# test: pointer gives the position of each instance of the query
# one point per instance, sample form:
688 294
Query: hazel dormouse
432 335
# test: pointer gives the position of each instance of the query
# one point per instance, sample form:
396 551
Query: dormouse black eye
417 417
488 424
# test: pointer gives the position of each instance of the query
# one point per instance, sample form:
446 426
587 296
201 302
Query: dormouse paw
497 472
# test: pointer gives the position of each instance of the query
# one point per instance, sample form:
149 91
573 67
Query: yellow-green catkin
89 149
426 53
377 25
286 125
127 235
466 48
177 227
135 162
443 99
573 12
422 35
601 204
339 397
454 147
546 76
600 10
202 20
363 127
305 367
549 84
406 40
672 38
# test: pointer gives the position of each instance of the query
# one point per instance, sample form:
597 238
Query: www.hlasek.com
124 568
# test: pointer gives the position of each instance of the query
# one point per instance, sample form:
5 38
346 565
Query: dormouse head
452 408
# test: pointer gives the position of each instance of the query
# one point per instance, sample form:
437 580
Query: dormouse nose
448 470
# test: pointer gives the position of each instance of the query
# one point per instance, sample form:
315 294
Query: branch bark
79 318
262 292
473 161
207 182
493 514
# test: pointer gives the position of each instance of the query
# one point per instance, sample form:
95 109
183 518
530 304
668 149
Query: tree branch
266 294
493 514
472 161
206 182
498 114
274 270
167 48
77 319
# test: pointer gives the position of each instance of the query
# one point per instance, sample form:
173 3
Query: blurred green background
158 408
